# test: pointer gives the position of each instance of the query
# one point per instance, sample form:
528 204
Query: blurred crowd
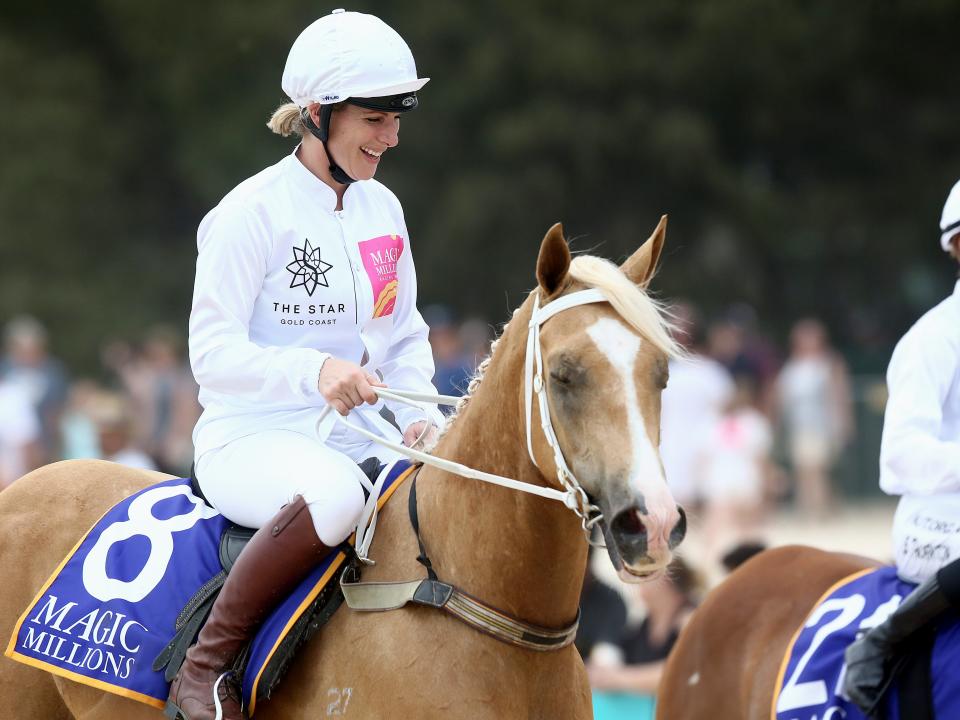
728 402
733 399
139 411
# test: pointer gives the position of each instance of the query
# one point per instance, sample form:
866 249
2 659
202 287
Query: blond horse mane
646 315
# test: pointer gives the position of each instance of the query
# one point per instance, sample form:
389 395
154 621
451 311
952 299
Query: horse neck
521 553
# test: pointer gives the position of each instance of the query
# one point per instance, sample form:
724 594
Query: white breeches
249 479
926 534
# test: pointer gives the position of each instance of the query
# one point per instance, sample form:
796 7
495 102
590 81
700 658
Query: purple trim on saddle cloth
811 676
276 626
111 606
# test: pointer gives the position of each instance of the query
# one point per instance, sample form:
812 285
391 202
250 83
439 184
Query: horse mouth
631 567
626 538
634 577
642 574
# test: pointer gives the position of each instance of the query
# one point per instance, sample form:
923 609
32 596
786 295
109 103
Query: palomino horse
725 663
605 365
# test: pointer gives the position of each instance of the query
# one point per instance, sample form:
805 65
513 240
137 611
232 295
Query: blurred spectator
625 682
453 369
758 359
815 408
19 433
77 426
28 365
476 335
737 556
114 423
163 394
725 344
696 393
603 615
734 470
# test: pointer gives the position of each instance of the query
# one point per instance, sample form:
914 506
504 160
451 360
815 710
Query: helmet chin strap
322 133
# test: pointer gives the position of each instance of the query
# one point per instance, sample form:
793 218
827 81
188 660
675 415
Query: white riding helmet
350 55
950 220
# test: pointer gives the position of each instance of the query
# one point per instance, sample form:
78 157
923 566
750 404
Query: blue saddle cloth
111 606
810 683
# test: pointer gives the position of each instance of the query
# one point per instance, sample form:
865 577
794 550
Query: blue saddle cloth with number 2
112 605
811 677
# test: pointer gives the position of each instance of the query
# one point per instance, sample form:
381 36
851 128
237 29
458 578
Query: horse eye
561 377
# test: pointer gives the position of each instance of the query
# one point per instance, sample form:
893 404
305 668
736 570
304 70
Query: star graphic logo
308 269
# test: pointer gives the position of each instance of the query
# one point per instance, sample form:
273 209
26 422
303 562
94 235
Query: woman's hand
346 385
412 433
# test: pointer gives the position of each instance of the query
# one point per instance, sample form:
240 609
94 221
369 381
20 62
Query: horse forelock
646 315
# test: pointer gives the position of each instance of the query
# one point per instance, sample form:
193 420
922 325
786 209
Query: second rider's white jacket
920 450
283 282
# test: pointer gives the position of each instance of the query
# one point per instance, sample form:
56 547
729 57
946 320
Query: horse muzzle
640 543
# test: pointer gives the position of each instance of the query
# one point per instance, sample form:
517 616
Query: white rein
573 495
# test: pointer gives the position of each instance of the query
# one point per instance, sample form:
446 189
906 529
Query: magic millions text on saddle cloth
112 605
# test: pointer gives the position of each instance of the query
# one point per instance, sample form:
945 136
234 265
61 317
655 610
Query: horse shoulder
420 662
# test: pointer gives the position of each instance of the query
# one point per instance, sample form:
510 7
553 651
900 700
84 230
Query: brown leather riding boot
277 558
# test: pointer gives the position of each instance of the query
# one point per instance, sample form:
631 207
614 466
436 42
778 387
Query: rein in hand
572 496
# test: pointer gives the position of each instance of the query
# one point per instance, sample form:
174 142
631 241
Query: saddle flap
232 542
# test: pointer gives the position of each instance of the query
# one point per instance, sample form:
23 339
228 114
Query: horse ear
639 267
553 261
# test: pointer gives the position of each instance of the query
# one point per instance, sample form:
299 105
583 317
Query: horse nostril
628 524
679 530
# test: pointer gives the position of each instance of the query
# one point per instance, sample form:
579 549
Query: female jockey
920 461
305 297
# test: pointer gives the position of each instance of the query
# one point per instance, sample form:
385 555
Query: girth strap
382 596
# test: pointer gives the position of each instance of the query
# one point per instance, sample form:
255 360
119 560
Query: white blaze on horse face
621 346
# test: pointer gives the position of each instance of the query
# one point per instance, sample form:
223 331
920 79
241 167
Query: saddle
191 619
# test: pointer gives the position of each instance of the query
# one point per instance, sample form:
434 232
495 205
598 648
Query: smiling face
359 138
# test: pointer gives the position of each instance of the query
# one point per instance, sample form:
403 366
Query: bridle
576 497
573 495
430 591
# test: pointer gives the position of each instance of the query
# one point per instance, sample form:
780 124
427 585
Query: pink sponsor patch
380 257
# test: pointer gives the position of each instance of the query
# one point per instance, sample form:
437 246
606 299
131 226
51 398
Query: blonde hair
649 317
286 121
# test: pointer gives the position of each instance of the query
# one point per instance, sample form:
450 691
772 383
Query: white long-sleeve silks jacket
285 281
920 449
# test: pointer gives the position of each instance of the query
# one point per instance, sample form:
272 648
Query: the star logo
308 269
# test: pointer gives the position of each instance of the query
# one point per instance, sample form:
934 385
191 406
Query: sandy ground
862 528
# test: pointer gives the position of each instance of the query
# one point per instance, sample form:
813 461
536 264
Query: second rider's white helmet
350 55
950 220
